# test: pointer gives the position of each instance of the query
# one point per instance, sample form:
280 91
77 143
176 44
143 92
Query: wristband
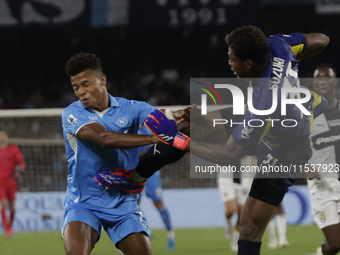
181 141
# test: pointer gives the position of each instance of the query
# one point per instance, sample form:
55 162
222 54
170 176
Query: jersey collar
113 101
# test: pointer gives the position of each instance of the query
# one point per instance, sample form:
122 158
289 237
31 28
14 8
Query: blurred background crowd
144 58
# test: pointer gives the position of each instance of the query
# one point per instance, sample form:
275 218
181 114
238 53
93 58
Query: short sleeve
297 42
141 110
320 104
73 119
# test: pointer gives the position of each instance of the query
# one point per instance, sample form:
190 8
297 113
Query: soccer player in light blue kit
100 133
154 191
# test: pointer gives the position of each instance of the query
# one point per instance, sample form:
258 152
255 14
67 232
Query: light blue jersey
85 159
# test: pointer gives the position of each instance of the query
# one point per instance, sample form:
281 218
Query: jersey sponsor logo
92 117
155 151
333 123
122 122
71 119
328 139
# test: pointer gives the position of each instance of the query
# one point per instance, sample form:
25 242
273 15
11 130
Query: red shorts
8 188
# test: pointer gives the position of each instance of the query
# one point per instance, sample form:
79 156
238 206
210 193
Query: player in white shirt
234 192
325 193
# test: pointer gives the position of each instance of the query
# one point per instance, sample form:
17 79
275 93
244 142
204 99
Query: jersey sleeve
19 158
141 110
320 104
296 41
74 119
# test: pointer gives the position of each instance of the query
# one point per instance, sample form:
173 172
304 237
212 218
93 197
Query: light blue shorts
118 222
153 188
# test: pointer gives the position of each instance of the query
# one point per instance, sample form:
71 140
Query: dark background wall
150 61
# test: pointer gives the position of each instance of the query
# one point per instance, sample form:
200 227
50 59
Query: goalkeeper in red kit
10 157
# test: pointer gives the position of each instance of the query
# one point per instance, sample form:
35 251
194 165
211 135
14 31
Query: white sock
236 235
137 177
271 230
229 223
171 234
282 226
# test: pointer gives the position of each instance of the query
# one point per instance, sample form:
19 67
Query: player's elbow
317 41
104 140
323 40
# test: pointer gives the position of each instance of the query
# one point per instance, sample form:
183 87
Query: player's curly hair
249 42
81 62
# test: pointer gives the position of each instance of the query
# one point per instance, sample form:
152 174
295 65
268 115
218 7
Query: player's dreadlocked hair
81 62
249 42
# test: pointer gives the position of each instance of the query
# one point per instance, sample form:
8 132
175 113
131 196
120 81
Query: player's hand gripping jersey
282 71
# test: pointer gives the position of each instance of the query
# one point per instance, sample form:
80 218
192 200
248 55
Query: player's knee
248 226
158 204
333 247
231 207
251 229
71 249
228 214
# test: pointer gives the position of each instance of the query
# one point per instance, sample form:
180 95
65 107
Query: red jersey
9 158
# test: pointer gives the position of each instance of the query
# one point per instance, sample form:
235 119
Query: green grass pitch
303 240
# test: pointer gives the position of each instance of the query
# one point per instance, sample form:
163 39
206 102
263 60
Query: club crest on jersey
71 119
122 122
322 217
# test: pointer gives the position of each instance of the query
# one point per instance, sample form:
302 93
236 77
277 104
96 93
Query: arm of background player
96 133
316 42
218 153
20 160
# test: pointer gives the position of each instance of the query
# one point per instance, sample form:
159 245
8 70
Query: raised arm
316 42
